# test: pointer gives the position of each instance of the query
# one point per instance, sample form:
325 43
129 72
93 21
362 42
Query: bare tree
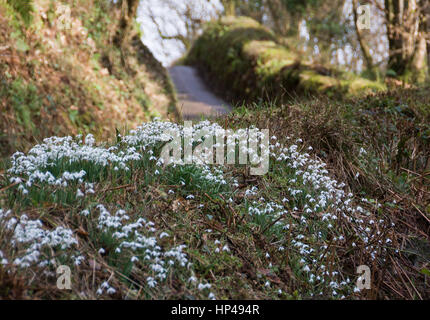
192 22
406 31
171 26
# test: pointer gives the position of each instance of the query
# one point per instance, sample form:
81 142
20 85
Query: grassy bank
61 73
128 226
347 185
379 146
338 194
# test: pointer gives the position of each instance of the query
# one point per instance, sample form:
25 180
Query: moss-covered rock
246 61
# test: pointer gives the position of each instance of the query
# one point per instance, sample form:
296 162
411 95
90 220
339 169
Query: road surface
195 98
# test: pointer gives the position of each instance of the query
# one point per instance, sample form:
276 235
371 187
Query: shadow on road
195 98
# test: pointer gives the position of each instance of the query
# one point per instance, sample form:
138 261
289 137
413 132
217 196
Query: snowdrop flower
3 260
151 282
202 286
78 260
163 234
111 290
85 213
79 193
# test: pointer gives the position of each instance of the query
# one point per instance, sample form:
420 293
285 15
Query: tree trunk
426 26
368 59
419 65
406 38
394 19
128 14
229 7
276 14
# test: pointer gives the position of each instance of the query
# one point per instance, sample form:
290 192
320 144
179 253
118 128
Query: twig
8 187
270 225
425 217
408 280
119 187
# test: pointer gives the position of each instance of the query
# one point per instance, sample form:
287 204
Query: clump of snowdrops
314 226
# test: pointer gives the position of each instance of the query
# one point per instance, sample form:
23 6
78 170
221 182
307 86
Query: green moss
314 82
360 85
246 61
25 101
24 9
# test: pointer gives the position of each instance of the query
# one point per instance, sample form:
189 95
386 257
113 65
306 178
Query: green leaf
73 114
425 271
21 45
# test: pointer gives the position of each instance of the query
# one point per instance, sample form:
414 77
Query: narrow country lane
195 98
